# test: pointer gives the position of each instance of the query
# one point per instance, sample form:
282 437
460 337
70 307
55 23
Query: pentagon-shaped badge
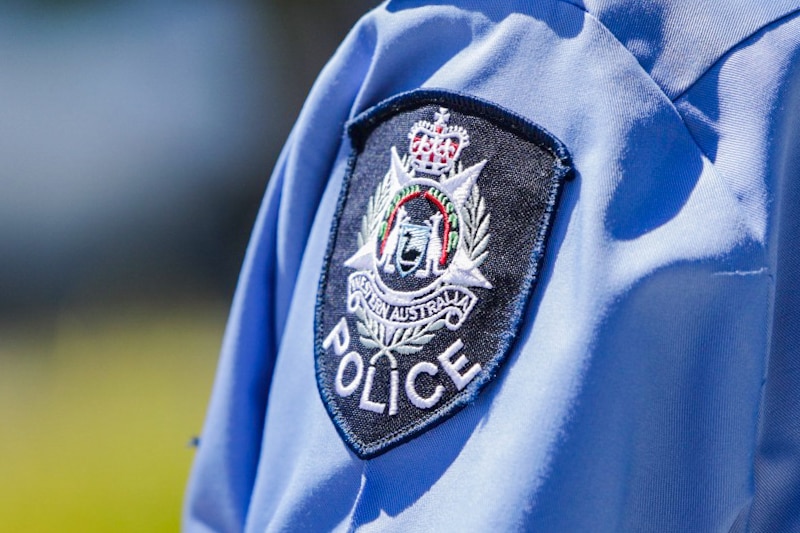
435 248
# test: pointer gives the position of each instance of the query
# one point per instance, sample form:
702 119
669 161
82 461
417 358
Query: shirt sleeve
759 160
227 455
225 467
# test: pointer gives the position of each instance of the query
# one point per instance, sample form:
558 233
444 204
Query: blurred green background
97 414
136 144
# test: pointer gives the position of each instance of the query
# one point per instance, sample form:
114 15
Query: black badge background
519 183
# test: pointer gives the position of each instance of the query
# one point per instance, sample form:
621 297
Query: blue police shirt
651 380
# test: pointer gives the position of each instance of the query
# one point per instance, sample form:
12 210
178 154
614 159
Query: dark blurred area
137 139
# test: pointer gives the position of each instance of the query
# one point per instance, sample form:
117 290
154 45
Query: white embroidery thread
411 390
346 390
423 236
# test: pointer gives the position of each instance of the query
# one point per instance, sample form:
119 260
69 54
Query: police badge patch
435 247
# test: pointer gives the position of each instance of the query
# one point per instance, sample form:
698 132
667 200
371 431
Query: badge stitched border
358 130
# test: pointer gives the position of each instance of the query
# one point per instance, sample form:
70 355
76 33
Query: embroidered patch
435 247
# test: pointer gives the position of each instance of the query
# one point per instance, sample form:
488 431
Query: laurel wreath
407 341
476 222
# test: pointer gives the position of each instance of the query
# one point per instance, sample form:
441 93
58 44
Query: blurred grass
95 415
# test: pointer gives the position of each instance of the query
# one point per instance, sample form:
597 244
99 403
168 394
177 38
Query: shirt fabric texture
654 384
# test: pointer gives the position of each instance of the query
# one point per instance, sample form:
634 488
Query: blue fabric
654 386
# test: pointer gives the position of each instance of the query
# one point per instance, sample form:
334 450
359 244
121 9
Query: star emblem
462 270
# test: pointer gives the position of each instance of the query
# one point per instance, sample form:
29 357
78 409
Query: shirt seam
731 49
773 22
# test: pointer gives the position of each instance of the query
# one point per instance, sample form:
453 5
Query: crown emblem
436 146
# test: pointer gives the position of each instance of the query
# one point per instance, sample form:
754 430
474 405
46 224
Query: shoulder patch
434 250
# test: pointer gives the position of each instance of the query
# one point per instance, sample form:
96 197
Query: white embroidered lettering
339 337
411 391
395 377
453 368
365 403
346 390
430 307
